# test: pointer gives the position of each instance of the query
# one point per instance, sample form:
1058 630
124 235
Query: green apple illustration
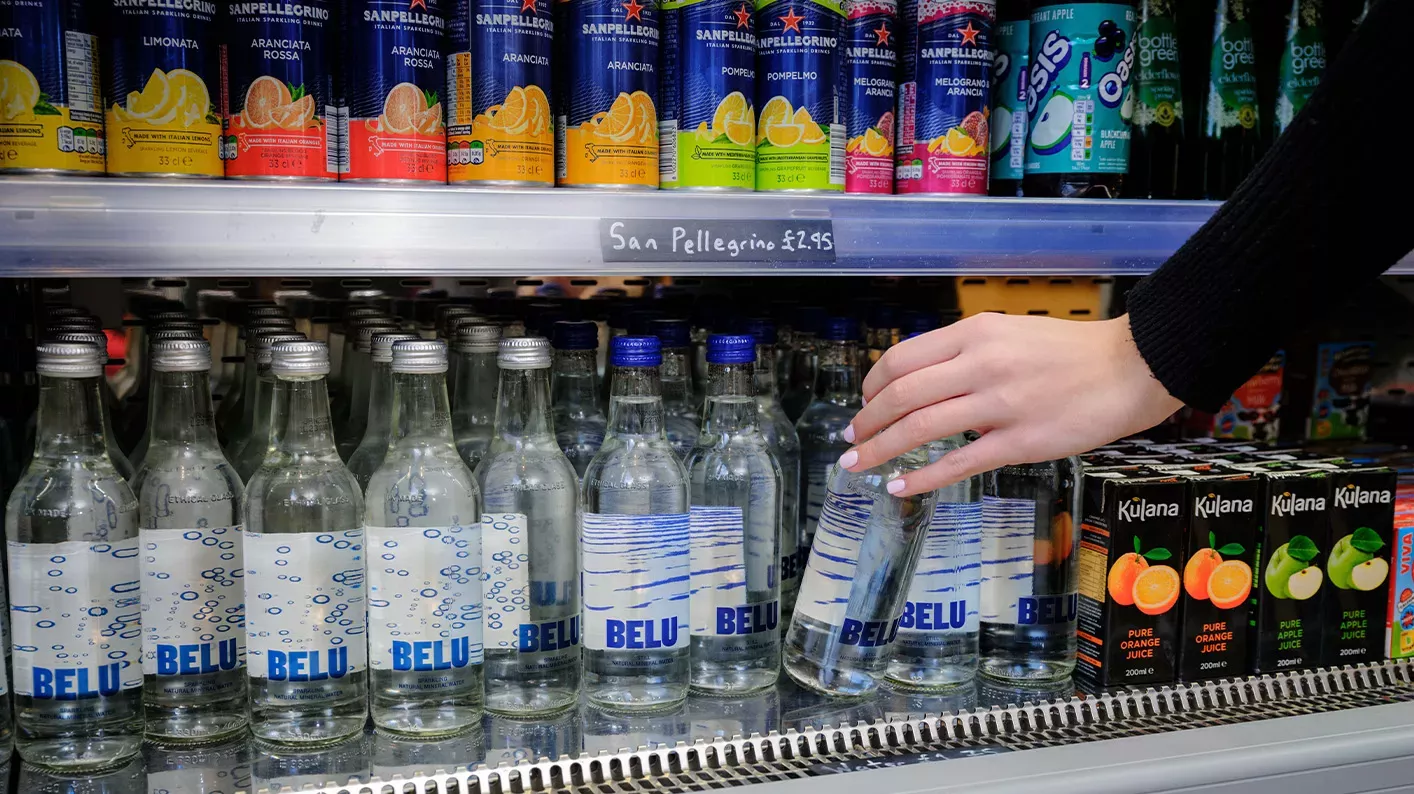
1289 558
1350 551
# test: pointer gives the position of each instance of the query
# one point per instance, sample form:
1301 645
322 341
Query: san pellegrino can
800 133
707 111
51 106
162 79
870 64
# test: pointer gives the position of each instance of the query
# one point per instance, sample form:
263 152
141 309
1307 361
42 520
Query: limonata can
51 106
395 83
280 72
706 109
870 71
800 130
607 127
162 80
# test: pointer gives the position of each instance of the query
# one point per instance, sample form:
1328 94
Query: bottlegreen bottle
1232 139
1303 59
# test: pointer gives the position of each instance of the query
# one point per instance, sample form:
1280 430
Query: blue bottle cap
763 328
915 323
809 319
636 351
640 321
731 349
672 333
839 329
576 335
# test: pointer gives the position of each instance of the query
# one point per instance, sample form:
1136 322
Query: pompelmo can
943 109
51 108
510 139
395 81
280 67
707 105
870 69
608 131
800 132
162 83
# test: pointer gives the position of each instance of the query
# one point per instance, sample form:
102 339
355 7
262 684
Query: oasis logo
1212 506
1111 86
1288 504
1137 509
1050 59
1354 496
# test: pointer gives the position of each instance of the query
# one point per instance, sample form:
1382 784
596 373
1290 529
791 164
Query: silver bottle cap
420 356
268 339
87 323
263 325
524 352
363 335
96 338
69 360
383 342
484 338
461 321
299 358
165 333
166 317
181 355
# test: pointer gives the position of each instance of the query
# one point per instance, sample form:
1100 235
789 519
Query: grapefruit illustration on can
870 62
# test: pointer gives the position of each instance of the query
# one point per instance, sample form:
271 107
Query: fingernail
848 434
849 459
894 486
862 402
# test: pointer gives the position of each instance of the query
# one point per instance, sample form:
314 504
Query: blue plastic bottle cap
636 351
840 329
763 328
672 333
576 335
731 349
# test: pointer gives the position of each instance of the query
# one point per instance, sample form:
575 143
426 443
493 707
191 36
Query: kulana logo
1214 506
1137 509
1354 496
1287 504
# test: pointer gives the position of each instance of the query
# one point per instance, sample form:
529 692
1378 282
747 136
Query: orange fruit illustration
620 123
429 121
401 107
1156 590
263 97
294 116
1197 571
1230 583
1123 576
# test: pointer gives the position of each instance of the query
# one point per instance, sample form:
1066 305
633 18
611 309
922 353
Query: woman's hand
1036 388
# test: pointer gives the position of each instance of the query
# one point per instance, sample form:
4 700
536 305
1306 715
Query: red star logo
883 33
792 22
969 34
416 3
633 9
527 5
743 17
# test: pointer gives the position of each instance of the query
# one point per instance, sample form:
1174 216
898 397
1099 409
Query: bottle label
943 596
77 618
1008 557
1232 87
511 594
307 618
1160 90
1079 101
829 573
424 598
720 556
635 581
1008 122
193 607
1303 61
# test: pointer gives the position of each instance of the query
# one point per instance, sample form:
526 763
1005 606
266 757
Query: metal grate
796 754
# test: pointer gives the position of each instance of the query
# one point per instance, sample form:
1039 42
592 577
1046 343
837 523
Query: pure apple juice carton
1219 573
1130 539
1288 618
1358 566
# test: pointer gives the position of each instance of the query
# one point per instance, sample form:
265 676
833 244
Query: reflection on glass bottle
474 414
612 731
899 705
728 717
517 741
214 769
1002 694
126 779
407 757
802 708
275 766
836 401
578 413
678 407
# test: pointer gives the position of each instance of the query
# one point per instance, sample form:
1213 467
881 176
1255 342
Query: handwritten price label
657 240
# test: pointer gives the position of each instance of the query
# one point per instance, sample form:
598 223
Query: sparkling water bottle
235 419
349 434
634 546
250 451
357 364
1029 577
937 636
530 544
423 519
306 633
186 329
833 408
100 341
579 416
857 579
784 443
803 359
71 523
379 433
474 416
190 524
682 415
734 531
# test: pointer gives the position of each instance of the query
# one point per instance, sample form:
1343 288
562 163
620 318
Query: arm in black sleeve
1326 210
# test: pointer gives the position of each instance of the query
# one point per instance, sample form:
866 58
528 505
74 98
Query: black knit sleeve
1329 207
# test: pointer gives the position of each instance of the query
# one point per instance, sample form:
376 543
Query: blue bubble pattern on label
193 600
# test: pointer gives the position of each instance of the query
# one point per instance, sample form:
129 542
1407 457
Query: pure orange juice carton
1129 611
